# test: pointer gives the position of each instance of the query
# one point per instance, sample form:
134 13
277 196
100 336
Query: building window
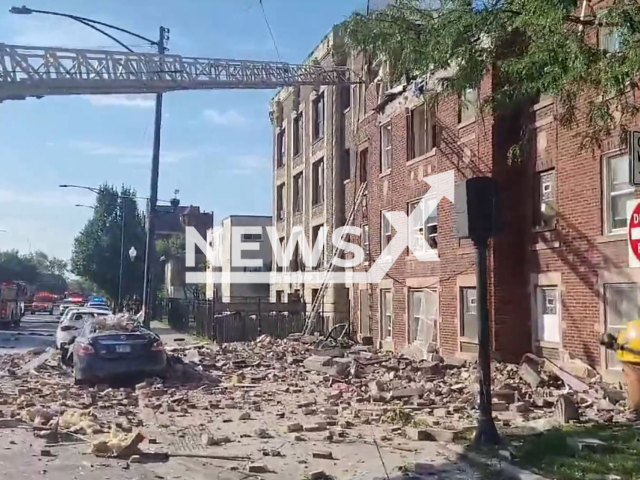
297 193
385 152
618 191
545 214
385 231
365 320
548 314
468 105
279 296
622 304
297 264
314 239
318 117
422 127
281 141
298 134
386 310
280 203
346 97
251 237
280 268
345 165
469 309
317 179
423 224
364 241
364 158
423 306
609 39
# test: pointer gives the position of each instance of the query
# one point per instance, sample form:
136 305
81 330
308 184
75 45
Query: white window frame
540 314
468 105
386 148
386 314
608 194
384 232
422 227
609 39
411 314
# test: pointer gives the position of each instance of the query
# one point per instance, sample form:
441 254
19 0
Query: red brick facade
577 257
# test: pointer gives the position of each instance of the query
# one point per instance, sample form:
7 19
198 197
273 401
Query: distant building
222 248
171 220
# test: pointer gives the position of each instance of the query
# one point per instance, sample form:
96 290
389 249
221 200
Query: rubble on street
242 402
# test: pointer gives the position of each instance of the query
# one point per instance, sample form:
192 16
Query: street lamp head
63 186
132 253
23 10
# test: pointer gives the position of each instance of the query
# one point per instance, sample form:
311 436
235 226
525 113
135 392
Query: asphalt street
35 331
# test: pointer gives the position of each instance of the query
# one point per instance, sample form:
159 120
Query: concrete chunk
323 454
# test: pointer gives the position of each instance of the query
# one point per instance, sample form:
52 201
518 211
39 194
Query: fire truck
11 302
43 302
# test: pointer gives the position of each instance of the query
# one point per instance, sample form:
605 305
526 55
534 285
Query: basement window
318 117
297 193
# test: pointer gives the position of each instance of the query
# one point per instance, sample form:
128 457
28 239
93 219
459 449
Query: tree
97 248
45 264
37 269
16 267
532 47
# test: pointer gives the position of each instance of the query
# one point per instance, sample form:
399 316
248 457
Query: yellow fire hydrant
627 348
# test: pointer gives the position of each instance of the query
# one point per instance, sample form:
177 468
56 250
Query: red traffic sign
634 231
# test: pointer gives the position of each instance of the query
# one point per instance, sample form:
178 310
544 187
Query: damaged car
112 348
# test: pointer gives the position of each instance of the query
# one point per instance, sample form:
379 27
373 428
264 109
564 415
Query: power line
266 20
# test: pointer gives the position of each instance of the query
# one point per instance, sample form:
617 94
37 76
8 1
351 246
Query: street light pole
124 218
150 250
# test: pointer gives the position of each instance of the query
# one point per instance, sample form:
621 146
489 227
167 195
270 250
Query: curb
508 469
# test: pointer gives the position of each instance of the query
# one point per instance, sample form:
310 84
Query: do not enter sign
633 214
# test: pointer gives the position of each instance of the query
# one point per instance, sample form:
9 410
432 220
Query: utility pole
150 250
124 218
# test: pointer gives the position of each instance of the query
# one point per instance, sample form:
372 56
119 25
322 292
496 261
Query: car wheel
33 312
65 359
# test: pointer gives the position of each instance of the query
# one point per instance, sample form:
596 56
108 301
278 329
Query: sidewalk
172 338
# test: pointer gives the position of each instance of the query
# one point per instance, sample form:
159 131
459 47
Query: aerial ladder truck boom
41 71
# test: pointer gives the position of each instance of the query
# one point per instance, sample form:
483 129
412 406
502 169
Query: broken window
385 232
423 306
317 192
469 309
386 310
281 146
423 224
468 105
622 304
385 152
298 136
297 193
365 321
545 214
296 260
318 117
279 268
422 131
280 202
618 191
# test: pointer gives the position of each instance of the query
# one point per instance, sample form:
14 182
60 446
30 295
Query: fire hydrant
627 348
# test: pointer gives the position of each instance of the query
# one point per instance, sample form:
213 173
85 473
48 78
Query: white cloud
230 118
247 164
129 101
131 155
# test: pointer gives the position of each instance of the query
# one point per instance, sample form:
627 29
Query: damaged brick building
558 273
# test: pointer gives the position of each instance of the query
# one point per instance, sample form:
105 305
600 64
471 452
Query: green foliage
37 269
97 248
532 47
172 246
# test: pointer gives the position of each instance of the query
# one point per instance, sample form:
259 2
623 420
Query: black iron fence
241 321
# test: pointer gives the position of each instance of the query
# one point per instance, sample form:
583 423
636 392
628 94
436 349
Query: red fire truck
11 302
43 302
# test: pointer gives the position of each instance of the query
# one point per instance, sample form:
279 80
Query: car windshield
42 299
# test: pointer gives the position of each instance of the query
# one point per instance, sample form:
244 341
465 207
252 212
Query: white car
99 306
64 306
71 324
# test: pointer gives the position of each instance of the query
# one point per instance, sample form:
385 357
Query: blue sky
216 145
